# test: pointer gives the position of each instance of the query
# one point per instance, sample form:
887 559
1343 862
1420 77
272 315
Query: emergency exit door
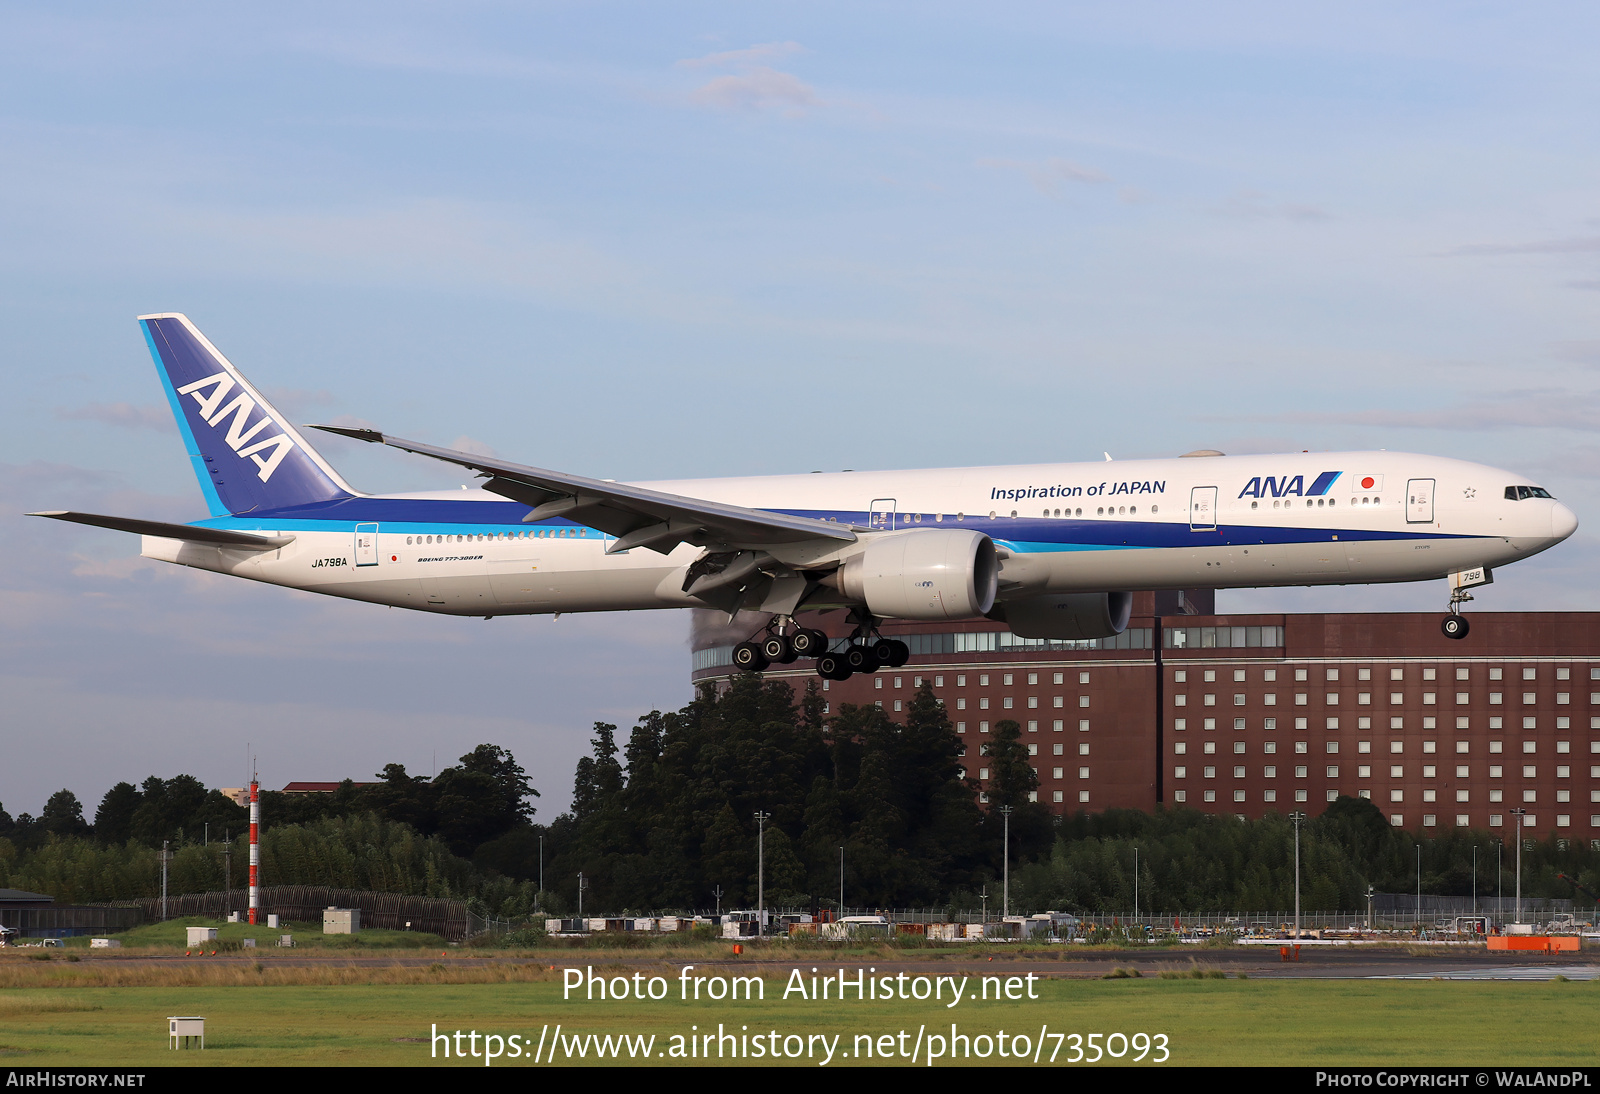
366 545
1203 509
1419 501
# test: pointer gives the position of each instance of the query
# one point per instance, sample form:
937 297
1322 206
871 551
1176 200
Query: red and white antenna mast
255 847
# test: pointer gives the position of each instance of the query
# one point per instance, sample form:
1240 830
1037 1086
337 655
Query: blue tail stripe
196 460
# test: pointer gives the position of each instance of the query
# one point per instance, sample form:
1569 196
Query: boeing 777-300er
1052 550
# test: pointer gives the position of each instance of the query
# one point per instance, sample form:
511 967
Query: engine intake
930 574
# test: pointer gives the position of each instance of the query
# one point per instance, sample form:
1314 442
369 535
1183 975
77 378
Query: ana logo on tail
212 411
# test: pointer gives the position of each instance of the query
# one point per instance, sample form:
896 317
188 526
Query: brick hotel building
1261 713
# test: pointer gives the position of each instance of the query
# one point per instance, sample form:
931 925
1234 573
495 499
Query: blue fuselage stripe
418 516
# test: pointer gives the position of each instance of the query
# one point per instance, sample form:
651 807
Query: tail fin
246 455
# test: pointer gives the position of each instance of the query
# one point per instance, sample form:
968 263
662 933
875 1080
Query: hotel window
1083 797
1430 795
983 680
1179 676
1333 772
1331 746
1530 673
1299 795
1180 772
1209 773
1269 795
1238 746
1210 747
1083 748
1055 772
1033 727
1209 700
1238 795
1397 674
1083 677
1006 679
1059 678
1363 772
1299 772
1269 772
1083 772
1211 795
1211 676
1461 795
1300 674
1180 795
1238 698
983 703
1056 797
1238 772
1429 674
1269 747
1058 702
1397 795
1059 748
1269 723
1396 698
1033 702
1270 675
1006 702
1397 773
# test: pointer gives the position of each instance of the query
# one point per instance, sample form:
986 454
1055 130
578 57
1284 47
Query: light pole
1136 884
583 883
540 895
1297 816
1005 901
841 883
164 882
1519 814
1474 879
717 892
761 871
1417 919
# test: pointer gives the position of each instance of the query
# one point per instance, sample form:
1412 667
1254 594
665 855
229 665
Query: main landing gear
1455 624
783 643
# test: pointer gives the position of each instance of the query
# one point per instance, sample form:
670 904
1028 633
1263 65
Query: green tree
63 815
113 821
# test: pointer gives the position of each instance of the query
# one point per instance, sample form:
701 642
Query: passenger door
366 545
1203 509
881 515
1419 501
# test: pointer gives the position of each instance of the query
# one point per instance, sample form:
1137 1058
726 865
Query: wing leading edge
636 516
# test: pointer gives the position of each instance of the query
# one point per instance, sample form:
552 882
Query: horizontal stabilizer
221 537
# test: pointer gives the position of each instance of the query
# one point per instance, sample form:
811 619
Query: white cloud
127 415
743 58
1254 205
757 88
1048 175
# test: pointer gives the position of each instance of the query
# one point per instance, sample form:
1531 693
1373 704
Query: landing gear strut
1455 624
783 643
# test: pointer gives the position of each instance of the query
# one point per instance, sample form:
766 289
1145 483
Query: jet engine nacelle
933 574
1067 616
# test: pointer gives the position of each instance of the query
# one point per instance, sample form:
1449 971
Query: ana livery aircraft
1050 549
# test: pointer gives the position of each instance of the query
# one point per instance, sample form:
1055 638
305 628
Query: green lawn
1208 1022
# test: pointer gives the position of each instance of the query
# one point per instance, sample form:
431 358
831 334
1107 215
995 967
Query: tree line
668 819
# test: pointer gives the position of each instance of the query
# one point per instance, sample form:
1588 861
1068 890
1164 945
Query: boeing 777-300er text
1052 550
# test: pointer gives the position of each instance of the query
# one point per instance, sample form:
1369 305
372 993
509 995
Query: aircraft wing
219 537
636 516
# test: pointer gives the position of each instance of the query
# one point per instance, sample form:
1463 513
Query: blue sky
649 241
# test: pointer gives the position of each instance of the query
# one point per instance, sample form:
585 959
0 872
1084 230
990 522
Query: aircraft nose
1563 521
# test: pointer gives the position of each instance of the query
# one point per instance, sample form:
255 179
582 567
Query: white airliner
1053 550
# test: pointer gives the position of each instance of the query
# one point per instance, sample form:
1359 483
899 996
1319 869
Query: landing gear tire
778 649
861 659
809 643
831 666
891 652
747 657
1455 626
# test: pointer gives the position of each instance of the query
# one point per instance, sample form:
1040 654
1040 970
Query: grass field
374 1016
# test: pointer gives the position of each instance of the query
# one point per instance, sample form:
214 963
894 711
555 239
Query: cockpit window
1520 493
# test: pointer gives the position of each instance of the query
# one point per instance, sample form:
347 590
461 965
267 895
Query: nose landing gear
1455 624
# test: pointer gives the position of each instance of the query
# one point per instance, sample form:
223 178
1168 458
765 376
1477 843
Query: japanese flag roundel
1363 484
